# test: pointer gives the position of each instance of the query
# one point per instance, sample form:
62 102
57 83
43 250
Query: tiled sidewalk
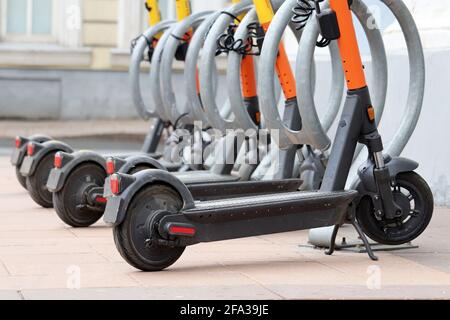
41 258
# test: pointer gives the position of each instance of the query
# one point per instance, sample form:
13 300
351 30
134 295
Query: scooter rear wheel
413 195
37 183
131 237
22 180
71 202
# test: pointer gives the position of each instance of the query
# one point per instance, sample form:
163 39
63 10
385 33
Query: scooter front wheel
72 203
37 183
133 236
413 195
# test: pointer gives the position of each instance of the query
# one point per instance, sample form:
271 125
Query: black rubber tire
22 180
423 202
72 194
130 236
37 183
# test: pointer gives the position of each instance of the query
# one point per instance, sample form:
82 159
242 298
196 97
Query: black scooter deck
201 177
259 215
220 190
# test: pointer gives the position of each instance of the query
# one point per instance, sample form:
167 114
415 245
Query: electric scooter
154 221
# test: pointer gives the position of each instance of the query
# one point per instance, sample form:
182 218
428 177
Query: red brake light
182 231
100 199
30 148
115 184
110 166
18 142
58 160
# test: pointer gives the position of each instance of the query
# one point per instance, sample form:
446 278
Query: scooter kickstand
332 248
364 240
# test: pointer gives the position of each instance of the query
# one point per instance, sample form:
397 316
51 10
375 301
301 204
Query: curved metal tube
155 74
192 58
305 53
170 48
145 111
234 76
190 69
267 100
206 65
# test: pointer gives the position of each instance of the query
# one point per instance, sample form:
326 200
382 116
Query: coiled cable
226 42
302 12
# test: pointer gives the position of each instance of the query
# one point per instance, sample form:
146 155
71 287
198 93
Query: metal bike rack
155 75
145 111
190 69
206 65
193 57
173 109
267 98
305 54
234 75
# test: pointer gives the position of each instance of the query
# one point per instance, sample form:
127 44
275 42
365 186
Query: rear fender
58 176
117 206
41 150
127 165
20 153
142 160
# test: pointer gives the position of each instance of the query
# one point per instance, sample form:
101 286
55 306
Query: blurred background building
67 59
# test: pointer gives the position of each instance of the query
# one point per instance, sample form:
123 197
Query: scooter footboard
259 215
211 191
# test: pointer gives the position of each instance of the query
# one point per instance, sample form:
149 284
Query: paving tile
3 271
63 281
439 261
332 292
58 248
10 295
47 264
240 292
393 270
199 275
99 230
35 234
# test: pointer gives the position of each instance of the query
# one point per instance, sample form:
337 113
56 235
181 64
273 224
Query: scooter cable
302 12
226 42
